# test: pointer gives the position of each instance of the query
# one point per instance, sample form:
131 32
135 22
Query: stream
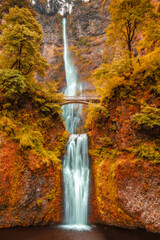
56 233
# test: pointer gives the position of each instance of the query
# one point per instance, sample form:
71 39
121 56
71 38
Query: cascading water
71 113
76 161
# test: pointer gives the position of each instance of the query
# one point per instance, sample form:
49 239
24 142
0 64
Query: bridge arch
80 100
72 102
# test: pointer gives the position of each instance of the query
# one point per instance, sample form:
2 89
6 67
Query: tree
5 5
12 84
150 36
20 41
127 17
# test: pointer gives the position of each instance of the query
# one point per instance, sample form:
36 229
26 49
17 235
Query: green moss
125 91
97 113
13 84
51 195
156 90
61 141
7 126
112 128
148 152
39 202
105 141
84 41
30 139
100 154
149 118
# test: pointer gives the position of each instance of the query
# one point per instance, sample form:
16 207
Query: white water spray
76 161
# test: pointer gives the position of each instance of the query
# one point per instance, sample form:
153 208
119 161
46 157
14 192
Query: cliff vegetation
30 147
124 128
116 46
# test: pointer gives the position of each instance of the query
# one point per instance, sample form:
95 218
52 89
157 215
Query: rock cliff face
31 172
125 164
86 39
127 195
30 190
52 47
126 189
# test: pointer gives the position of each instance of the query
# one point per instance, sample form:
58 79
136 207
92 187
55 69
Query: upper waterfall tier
71 112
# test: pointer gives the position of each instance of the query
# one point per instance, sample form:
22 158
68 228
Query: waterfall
71 113
76 161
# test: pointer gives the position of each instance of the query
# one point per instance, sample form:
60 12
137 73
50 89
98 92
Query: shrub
147 152
97 113
148 119
30 139
6 125
12 84
105 141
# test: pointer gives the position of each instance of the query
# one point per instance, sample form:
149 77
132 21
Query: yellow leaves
96 113
20 39
110 85
148 66
8 126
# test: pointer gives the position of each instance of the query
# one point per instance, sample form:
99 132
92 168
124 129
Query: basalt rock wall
86 39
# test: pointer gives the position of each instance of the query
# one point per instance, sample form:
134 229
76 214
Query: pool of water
56 233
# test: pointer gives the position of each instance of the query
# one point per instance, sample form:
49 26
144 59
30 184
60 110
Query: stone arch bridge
80 99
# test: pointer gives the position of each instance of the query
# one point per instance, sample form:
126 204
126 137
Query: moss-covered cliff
124 135
30 167
124 132
86 39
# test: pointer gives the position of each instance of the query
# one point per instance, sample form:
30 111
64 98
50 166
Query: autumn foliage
128 138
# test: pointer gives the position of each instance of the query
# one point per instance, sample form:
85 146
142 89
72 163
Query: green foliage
30 139
112 76
20 41
101 154
151 35
112 128
51 194
148 152
46 98
61 143
12 84
156 89
127 18
39 202
28 107
84 41
7 4
96 113
148 119
148 69
105 141
7 126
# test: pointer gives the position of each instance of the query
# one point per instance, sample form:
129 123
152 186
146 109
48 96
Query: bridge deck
80 99
83 98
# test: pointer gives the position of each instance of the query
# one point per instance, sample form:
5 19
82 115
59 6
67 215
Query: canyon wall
86 39
125 187
125 160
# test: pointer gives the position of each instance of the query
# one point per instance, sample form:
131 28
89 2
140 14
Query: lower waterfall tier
76 180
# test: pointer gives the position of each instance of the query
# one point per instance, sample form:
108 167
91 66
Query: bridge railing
82 98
